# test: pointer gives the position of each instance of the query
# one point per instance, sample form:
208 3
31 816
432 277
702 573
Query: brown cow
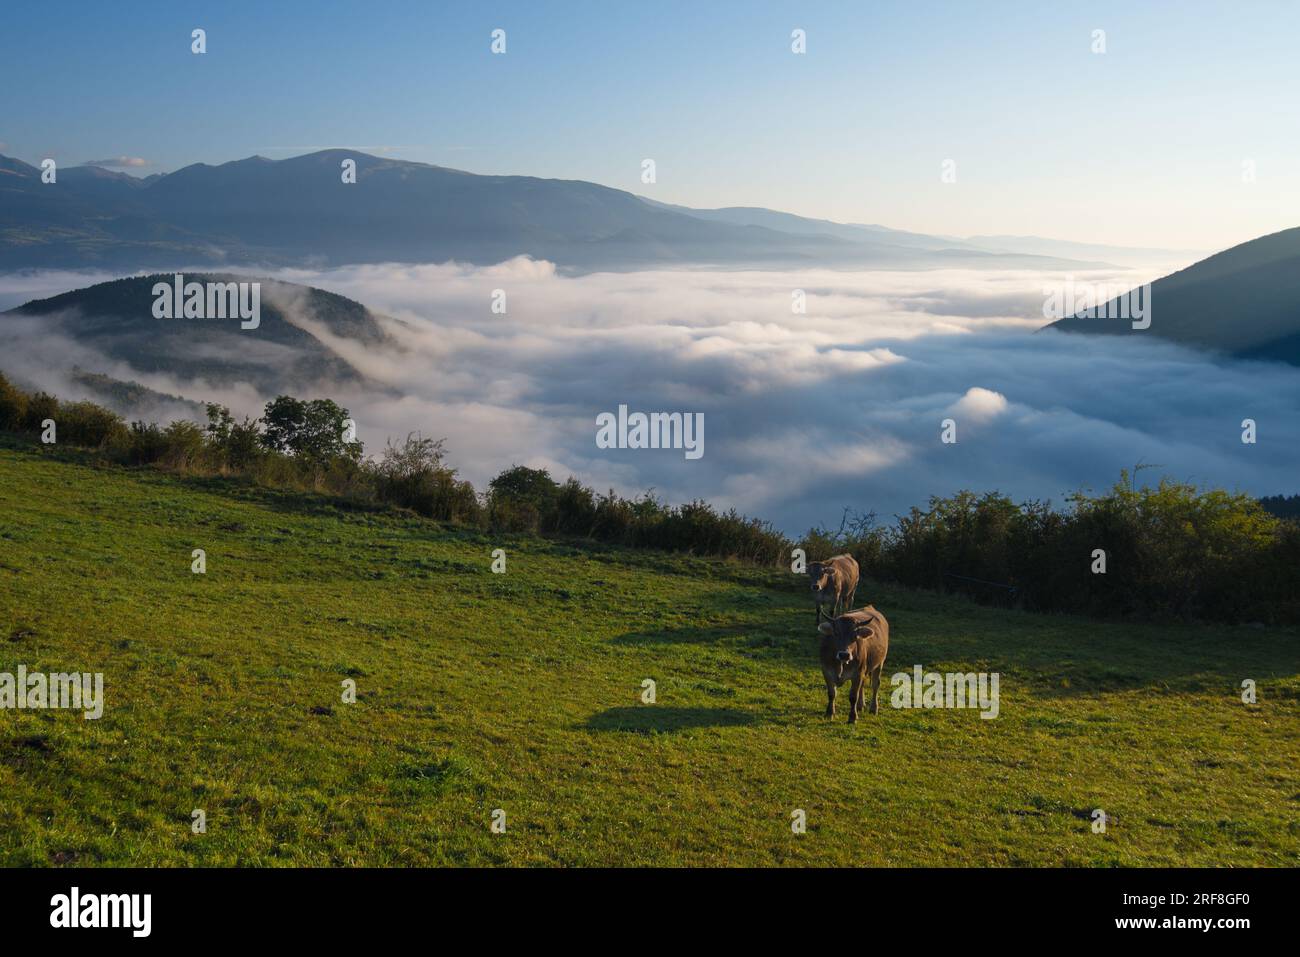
834 583
854 646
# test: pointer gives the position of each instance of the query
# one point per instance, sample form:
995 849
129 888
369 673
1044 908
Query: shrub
184 447
613 520
574 510
347 478
90 425
1178 550
40 406
243 448
412 476
517 517
238 445
13 406
275 470
1171 550
146 443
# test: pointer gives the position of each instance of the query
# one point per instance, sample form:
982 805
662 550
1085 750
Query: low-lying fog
804 413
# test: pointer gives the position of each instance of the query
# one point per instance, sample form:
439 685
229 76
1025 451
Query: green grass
522 691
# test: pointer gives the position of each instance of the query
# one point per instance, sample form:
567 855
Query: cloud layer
805 413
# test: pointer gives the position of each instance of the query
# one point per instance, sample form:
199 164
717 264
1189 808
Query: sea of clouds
805 414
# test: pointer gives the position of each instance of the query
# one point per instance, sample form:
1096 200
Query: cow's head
822 580
843 634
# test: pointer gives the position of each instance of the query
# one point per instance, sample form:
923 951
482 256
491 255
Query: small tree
239 443
220 422
412 458
522 484
312 430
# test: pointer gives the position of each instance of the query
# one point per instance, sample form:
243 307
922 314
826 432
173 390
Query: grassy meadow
522 691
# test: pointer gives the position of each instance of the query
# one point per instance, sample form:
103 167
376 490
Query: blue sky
1142 145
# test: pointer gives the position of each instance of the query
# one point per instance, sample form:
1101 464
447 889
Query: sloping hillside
522 692
1244 302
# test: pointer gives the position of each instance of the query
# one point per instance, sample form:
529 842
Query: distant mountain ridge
1244 302
299 212
1091 254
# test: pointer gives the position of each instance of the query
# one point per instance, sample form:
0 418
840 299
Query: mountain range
299 212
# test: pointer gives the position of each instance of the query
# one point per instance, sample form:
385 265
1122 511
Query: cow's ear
864 631
826 627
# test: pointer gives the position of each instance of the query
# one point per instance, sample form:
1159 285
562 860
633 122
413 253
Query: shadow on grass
657 719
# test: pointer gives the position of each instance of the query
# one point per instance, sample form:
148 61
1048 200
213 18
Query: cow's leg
875 689
830 695
855 698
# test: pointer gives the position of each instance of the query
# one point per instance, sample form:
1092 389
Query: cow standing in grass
854 646
834 583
